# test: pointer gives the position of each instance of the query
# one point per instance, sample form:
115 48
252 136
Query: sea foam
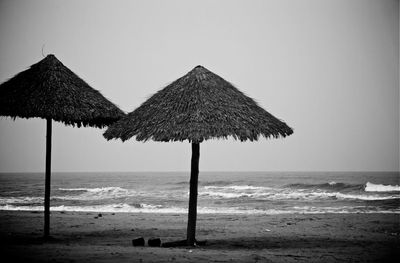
370 187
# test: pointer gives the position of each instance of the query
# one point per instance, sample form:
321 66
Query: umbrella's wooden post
194 176
47 182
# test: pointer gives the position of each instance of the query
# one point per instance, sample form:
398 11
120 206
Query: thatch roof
198 106
48 89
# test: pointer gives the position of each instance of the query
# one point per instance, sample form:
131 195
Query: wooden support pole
194 176
47 181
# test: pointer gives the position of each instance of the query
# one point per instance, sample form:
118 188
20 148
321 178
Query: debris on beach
138 242
154 242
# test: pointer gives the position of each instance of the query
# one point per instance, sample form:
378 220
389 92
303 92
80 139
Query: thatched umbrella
51 91
196 107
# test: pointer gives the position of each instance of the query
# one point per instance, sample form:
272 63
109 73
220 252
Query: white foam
125 208
235 191
330 195
97 190
238 187
370 187
112 208
366 197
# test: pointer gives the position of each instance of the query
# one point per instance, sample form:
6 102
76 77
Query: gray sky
330 69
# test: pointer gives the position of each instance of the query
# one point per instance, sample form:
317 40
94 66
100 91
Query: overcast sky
329 69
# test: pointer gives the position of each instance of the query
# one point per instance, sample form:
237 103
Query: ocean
219 192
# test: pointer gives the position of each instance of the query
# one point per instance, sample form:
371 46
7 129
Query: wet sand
86 237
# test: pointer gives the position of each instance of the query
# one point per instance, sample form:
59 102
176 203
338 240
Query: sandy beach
230 238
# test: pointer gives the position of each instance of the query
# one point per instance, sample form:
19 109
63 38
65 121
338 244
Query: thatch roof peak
48 89
199 69
198 106
199 73
50 58
50 62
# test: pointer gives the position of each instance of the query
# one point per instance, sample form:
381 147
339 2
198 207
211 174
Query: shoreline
201 211
230 237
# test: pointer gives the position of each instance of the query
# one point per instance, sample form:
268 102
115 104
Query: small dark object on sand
154 242
138 242
99 215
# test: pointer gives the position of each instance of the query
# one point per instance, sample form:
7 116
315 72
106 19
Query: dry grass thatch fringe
196 107
48 89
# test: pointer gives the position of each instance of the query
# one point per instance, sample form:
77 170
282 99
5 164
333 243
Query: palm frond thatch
198 106
48 89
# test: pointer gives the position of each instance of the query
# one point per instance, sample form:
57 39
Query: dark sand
80 237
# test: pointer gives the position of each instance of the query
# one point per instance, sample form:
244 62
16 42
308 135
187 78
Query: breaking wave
326 191
370 187
95 193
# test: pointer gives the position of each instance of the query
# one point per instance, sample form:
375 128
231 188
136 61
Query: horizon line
216 171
